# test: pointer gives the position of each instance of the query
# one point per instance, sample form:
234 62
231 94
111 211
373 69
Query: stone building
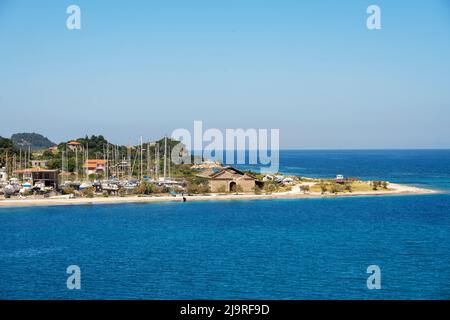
228 179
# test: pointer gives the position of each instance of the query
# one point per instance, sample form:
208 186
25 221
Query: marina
92 170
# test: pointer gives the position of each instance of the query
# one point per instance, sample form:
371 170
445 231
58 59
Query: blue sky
310 68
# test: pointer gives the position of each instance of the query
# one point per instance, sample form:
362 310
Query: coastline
394 189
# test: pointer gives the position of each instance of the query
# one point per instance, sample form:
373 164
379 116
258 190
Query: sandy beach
295 193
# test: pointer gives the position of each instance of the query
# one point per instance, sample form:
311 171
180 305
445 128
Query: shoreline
395 189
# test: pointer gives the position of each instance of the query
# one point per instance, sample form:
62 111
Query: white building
3 175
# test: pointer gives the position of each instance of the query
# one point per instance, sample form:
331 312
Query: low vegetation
331 186
197 185
88 192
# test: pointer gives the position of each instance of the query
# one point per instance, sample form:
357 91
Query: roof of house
74 143
33 170
94 163
226 173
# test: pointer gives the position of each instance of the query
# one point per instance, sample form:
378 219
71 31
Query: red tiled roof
31 170
94 163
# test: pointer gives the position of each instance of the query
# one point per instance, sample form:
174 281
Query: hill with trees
34 141
7 150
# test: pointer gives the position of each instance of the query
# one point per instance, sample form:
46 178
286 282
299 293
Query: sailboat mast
129 162
148 158
6 163
170 157
157 161
165 157
141 159
76 162
107 160
62 167
87 161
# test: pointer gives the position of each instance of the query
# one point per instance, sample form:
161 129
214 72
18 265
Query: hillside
6 144
33 140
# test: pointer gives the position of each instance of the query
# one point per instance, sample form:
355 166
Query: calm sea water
286 249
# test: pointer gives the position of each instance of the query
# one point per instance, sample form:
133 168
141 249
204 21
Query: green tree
88 192
144 188
348 187
270 187
304 188
323 187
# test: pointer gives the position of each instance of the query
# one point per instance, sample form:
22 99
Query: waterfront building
229 179
48 177
94 166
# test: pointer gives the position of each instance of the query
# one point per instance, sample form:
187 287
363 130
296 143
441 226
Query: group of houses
39 171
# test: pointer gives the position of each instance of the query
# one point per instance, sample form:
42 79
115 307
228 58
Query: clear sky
310 68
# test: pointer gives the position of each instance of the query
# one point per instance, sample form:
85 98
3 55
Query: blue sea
274 249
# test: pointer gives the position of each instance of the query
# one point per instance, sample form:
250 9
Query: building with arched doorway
229 179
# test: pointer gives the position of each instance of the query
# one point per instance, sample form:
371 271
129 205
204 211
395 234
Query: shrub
348 187
68 190
335 188
304 188
88 192
376 185
194 188
121 192
323 187
222 189
144 188
197 185
270 186
257 189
